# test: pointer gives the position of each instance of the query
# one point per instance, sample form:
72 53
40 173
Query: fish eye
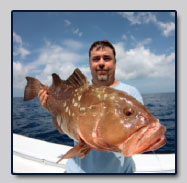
128 111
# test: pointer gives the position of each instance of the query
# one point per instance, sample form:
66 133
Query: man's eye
95 59
107 58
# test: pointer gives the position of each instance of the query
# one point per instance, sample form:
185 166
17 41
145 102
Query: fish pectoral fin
81 150
84 152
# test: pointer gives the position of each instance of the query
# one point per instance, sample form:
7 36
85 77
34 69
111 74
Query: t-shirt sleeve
131 90
136 94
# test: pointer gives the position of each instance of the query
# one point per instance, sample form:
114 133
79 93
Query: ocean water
30 119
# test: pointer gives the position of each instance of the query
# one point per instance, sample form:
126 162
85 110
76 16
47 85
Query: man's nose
101 63
101 66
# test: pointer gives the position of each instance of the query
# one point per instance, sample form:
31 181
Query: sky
49 42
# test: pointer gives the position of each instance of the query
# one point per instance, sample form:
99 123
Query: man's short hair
101 44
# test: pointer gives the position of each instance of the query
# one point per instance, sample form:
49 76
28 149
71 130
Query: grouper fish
98 117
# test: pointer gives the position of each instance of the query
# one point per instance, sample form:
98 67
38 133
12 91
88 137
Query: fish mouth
147 138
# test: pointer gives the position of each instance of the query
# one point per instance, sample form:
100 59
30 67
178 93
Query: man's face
102 65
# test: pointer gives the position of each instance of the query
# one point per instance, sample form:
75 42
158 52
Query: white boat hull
37 156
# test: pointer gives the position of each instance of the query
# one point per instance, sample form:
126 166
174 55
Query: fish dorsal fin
77 79
56 79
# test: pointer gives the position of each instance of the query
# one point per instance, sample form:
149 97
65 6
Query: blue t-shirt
105 162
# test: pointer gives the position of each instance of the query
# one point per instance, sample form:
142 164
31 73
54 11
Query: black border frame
176 92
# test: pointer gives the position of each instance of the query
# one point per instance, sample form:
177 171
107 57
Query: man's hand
42 95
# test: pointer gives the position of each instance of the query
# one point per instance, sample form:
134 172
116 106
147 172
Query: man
102 59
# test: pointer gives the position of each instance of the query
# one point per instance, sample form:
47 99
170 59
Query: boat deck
37 156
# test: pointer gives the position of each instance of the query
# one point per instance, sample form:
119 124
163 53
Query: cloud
134 42
142 63
144 42
147 17
72 44
167 28
132 37
19 73
77 32
124 37
74 30
138 18
172 14
19 49
67 22
17 38
52 58
138 62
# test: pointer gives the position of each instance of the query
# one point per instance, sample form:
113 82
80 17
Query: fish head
122 124
131 127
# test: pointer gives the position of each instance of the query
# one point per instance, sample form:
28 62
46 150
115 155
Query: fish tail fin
32 88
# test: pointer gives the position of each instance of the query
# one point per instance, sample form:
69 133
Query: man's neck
114 83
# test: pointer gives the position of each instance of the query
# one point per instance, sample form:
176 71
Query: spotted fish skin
98 117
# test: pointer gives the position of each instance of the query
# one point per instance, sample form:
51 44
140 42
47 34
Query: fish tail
32 88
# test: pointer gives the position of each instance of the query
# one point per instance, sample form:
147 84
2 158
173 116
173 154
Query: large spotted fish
98 117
